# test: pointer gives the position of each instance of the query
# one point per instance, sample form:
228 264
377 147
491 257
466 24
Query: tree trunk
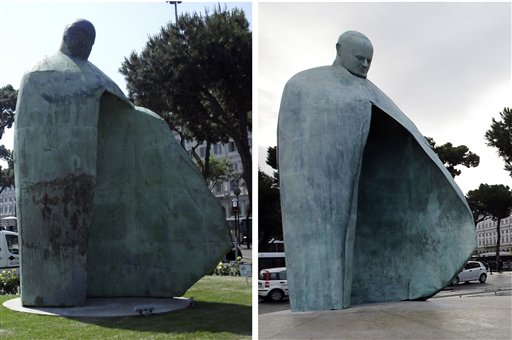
198 159
498 242
206 169
242 145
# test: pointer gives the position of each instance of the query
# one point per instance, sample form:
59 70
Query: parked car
9 250
272 284
473 270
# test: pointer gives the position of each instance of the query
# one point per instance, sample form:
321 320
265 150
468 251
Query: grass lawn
222 311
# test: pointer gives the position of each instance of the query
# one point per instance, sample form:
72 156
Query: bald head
354 52
78 39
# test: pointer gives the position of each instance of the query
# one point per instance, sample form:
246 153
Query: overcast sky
29 31
446 65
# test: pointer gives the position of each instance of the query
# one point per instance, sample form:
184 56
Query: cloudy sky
31 30
446 65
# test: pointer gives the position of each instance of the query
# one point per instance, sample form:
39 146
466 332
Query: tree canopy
500 137
491 201
8 98
269 202
197 75
220 170
452 156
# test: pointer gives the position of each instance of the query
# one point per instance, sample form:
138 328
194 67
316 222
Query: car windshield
471 265
12 244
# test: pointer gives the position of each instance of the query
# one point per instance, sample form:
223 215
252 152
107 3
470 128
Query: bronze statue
109 204
369 212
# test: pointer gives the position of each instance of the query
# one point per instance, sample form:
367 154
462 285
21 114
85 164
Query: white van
9 250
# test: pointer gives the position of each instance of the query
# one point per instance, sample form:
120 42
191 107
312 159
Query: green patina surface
109 204
369 212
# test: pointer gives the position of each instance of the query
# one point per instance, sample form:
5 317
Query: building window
218 187
201 151
217 149
231 147
233 184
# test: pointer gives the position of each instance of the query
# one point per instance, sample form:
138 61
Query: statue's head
78 39
354 52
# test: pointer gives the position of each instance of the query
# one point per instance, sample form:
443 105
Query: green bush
228 269
9 282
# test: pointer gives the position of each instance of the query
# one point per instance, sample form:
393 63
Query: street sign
245 270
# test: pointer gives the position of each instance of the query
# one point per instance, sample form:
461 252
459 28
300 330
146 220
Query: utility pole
236 210
175 3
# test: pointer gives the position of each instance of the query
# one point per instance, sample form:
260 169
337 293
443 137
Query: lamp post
236 211
175 3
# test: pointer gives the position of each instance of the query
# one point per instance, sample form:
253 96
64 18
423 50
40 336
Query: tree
452 156
494 201
220 170
500 137
269 203
197 75
6 175
8 98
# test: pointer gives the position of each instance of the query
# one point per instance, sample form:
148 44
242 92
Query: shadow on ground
203 317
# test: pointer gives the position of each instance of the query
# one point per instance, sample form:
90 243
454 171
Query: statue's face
79 43
356 56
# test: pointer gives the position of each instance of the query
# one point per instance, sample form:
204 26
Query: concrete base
484 317
105 307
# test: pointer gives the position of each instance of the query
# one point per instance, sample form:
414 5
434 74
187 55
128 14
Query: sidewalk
471 317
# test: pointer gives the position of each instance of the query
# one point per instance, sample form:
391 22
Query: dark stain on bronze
66 209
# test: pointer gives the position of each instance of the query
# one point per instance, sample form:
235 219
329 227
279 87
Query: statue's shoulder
74 73
56 66
58 62
314 79
322 73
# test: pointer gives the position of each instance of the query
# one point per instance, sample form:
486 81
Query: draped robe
370 214
108 203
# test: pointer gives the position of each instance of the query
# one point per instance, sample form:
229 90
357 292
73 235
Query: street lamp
236 211
175 3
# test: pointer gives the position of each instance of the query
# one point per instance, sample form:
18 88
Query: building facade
487 236
224 191
8 209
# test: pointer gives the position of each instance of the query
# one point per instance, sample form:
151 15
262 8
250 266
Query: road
497 284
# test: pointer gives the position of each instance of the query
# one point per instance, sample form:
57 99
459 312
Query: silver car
473 270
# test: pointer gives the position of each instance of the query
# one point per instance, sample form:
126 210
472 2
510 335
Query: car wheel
482 278
276 295
455 281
